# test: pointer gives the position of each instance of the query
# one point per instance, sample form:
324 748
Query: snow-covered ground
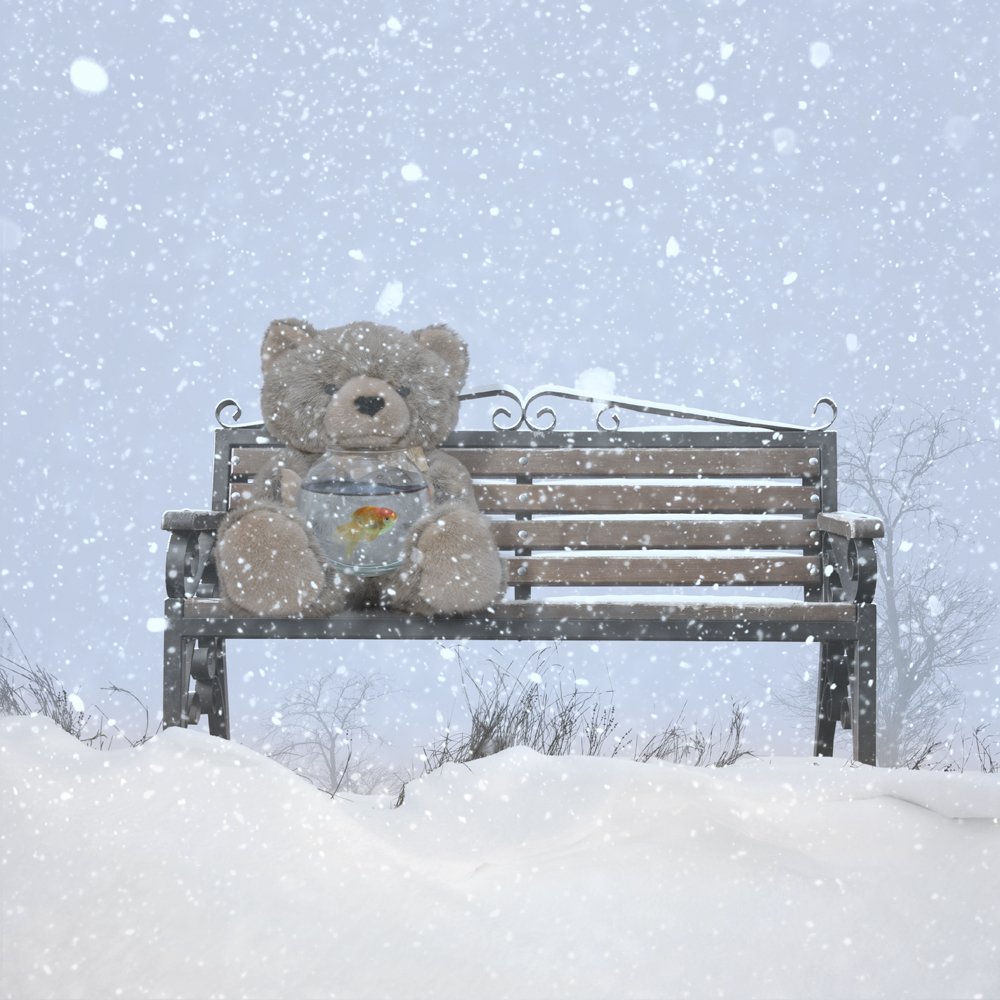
192 867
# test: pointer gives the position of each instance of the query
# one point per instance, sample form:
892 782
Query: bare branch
321 727
931 623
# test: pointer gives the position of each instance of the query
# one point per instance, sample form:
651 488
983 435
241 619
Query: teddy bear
362 387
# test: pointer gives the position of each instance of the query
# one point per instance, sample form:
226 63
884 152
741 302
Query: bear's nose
369 405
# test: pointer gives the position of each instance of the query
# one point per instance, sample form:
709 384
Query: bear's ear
282 335
447 344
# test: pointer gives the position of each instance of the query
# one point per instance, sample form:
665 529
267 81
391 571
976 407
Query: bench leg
186 658
208 667
863 678
831 693
176 677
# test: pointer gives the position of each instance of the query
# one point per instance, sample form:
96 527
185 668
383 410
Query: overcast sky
740 206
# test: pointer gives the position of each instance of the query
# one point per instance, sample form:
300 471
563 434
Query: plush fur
269 562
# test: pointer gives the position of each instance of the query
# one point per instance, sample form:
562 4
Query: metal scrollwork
612 414
225 405
501 413
190 572
826 401
608 409
542 412
521 410
210 697
850 568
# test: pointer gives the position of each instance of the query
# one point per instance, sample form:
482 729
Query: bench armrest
850 562
192 520
190 569
847 524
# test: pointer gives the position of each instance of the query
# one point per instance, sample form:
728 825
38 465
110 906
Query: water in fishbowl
363 525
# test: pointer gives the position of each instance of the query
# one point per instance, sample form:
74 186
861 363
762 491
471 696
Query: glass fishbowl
361 506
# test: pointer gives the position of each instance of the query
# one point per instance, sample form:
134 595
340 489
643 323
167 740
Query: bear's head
361 386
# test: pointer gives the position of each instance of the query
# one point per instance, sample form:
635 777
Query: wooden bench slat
579 498
561 533
691 463
239 494
692 608
687 533
668 609
247 462
687 608
601 571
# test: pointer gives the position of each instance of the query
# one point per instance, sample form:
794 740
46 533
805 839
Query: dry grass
533 707
27 689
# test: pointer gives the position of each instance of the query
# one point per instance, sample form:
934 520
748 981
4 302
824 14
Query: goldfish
365 525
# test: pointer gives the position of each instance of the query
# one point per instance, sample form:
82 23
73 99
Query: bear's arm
267 489
451 480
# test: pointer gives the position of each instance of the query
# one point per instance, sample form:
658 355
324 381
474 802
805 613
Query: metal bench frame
836 610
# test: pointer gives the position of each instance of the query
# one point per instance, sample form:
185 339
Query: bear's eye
404 391
329 388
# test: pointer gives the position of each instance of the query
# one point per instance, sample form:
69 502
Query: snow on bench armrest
192 520
850 525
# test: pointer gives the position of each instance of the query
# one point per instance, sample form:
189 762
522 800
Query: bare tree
321 731
932 619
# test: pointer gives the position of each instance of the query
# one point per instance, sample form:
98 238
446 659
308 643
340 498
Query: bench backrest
607 510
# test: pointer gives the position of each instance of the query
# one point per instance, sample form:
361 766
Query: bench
708 520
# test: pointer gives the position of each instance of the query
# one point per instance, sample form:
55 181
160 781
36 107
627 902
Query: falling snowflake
88 76
390 299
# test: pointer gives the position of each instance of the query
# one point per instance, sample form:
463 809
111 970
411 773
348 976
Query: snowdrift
192 867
